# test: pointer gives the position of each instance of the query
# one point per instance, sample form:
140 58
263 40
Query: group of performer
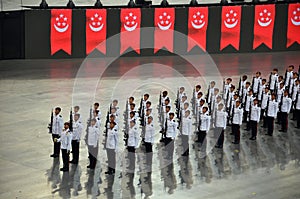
251 101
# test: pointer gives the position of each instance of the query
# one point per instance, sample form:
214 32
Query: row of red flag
61 28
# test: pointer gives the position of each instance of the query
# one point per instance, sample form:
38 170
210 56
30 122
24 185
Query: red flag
231 27
164 28
264 25
95 30
293 29
198 20
61 30
130 29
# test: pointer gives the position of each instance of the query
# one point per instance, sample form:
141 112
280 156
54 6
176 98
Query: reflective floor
267 168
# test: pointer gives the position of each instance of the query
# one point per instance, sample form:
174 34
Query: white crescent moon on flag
130 28
231 25
198 26
295 22
96 29
164 27
262 24
61 30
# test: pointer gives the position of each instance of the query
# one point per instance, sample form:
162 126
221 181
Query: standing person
65 140
273 80
254 118
271 114
204 125
77 131
264 103
57 128
111 148
132 144
237 119
285 108
148 140
93 140
171 134
186 131
221 121
248 103
256 83
97 108
297 109
288 76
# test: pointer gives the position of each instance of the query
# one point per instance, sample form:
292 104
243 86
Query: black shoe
73 162
252 138
235 143
218 147
247 129
89 166
64 169
54 155
108 173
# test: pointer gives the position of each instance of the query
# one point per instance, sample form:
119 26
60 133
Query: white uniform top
133 137
98 122
279 94
149 133
243 85
289 76
186 125
93 136
112 138
298 102
286 104
99 113
230 98
227 87
77 130
205 122
265 98
221 119
294 91
58 124
292 83
211 94
246 90
257 81
249 102
272 109
255 113
171 129
261 91
274 79
65 140
237 115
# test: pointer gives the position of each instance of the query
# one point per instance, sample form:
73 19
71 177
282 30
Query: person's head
181 89
255 101
113 110
132 106
250 92
202 101
167 101
66 125
76 116
295 75
216 91
286 93
168 108
150 119
148 104
228 80
96 105
220 106
219 98
187 113
198 87
204 109
131 114
76 109
115 103
112 118
244 78
263 81
235 96
171 116
275 71
132 123
237 103
273 96
212 84
112 125
131 100
232 88
183 98
280 78
281 85
148 111
297 82
96 113
291 68
267 89
57 110
146 97
93 122
199 95
165 93
186 105
257 74
247 84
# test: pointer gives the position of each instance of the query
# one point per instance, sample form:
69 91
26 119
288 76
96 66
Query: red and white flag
164 20
231 27
61 30
197 26
293 27
130 29
95 30
264 25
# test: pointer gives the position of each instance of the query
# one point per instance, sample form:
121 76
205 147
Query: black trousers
264 118
75 150
131 157
185 144
236 131
245 116
297 112
169 145
201 136
270 125
279 117
284 121
93 153
111 156
65 157
149 154
56 145
253 127
220 132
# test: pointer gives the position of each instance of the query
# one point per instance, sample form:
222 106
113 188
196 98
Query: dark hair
198 86
233 86
58 109
171 114
132 104
96 104
148 102
132 98
76 107
292 66
147 95
67 123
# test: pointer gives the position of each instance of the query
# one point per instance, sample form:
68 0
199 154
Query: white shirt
149 133
272 109
274 79
298 101
58 124
237 115
286 104
93 136
279 94
289 76
186 125
255 113
133 137
205 122
77 130
221 119
112 138
257 81
265 98
65 140
171 129
249 101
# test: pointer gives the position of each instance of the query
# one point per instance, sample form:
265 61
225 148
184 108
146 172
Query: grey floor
267 168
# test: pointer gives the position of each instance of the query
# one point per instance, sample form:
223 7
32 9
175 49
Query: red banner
95 30
164 28
231 27
130 29
293 28
197 26
264 25
61 30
